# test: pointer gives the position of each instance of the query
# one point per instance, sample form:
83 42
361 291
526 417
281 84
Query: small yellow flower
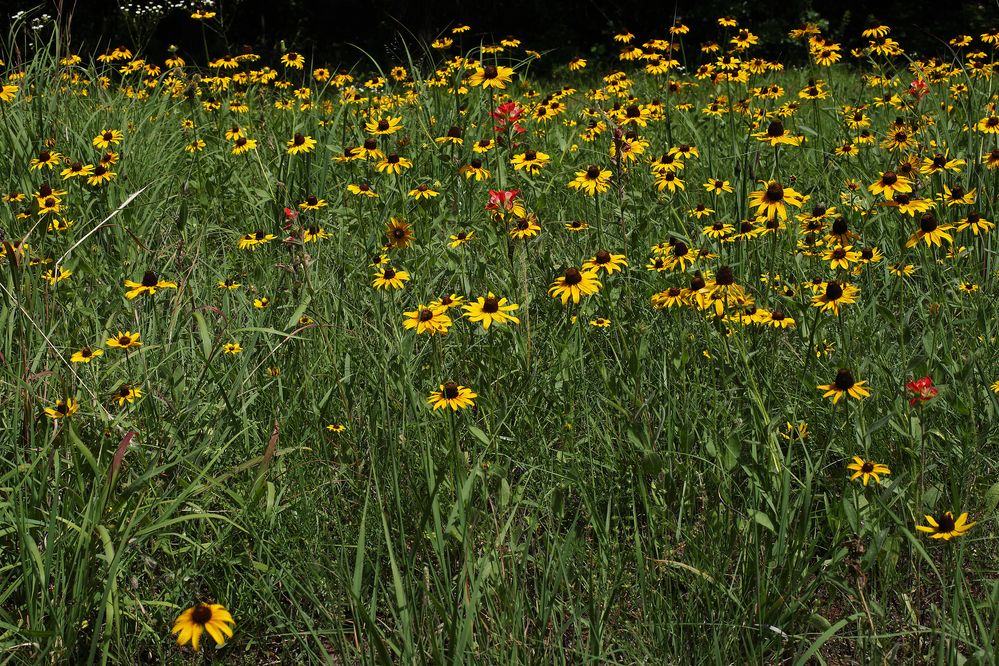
232 348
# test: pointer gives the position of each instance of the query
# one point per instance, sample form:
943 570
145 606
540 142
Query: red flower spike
922 390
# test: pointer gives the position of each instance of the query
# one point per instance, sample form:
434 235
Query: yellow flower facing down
574 284
845 385
945 526
85 355
867 470
430 319
213 618
453 396
489 309
150 283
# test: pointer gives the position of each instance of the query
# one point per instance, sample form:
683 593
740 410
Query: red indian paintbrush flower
507 113
922 390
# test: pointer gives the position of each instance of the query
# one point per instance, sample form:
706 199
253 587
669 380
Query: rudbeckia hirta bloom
213 618
107 138
232 348
591 181
453 396
300 143
85 355
890 184
383 126
930 231
945 527
100 176
530 161
460 238
62 409
46 159
574 284
833 295
845 384
389 278
867 470
251 241
841 256
393 164
423 192
76 169
126 393
489 309
525 227
243 145
774 200
150 283
125 340
606 261
431 319
491 76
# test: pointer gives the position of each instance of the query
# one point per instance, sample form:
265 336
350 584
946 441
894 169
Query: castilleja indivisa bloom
922 390
507 113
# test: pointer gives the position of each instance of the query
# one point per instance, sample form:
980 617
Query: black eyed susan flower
312 202
300 143
336 428
261 303
474 169
232 348
86 355
8 91
389 278
125 340
429 319
489 309
313 233
930 231
717 186
775 319
774 200
976 223
531 161
62 409
461 238
485 145
795 432
195 146
55 276
452 137
363 190
945 526
393 164
669 298
865 470
399 232
845 385
423 192
453 396
574 284
243 145
890 184
255 239
491 76
833 295
576 226
669 180
600 322
76 170
591 181
200 618
957 196
525 227
46 159
149 285
293 60
107 138
604 260
776 134
126 393
384 126
100 176
841 256
988 125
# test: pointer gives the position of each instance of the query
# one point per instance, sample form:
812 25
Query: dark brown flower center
490 305
844 380
454 132
840 226
603 257
725 276
775 129
476 164
530 155
259 235
593 172
867 253
867 467
833 291
927 223
383 125
241 141
312 200
149 279
889 178
369 144
124 340
775 192
202 614
426 315
490 72
450 391
945 523
838 253
388 273
298 140
573 276
393 159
